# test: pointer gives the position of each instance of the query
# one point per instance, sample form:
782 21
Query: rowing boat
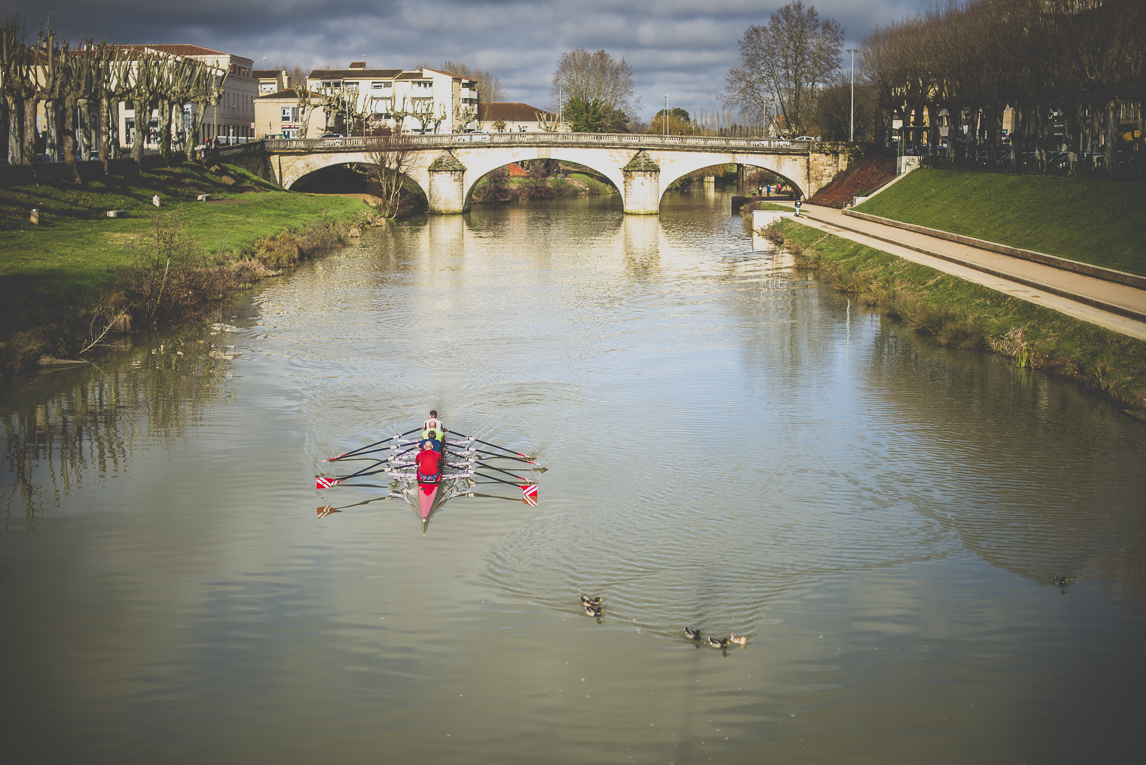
463 460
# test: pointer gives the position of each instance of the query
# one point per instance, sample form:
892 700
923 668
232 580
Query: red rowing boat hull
427 494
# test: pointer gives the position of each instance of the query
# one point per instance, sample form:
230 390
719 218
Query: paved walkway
1116 307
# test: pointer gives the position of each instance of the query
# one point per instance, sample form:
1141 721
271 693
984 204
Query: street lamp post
852 133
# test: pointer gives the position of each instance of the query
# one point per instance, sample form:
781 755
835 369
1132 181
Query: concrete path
1116 307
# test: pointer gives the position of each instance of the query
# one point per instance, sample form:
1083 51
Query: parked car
44 159
332 135
803 138
474 137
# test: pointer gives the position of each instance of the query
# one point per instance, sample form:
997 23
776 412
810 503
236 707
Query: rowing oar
322 482
528 490
491 455
326 510
491 467
526 457
371 446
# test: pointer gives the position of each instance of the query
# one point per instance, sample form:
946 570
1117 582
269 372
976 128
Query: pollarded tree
17 64
784 62
595 79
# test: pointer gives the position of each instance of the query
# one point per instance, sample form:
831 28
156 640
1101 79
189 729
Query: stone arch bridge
641 166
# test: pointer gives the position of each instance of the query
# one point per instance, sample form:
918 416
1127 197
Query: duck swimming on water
1060 580
691 634
595 602
716 643
738 639
591 611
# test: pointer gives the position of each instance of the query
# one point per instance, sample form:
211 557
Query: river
730 447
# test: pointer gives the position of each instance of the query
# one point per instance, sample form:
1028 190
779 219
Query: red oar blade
529 494
322 482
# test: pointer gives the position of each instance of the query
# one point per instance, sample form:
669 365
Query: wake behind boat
462 465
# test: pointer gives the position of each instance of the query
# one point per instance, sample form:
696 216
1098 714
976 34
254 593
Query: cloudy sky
680 47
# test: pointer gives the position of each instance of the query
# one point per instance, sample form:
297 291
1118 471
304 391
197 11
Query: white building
232 120
446 102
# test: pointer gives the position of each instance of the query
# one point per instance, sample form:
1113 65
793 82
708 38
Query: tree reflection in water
71 427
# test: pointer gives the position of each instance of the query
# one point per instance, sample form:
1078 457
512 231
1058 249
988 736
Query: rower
429 464
434 430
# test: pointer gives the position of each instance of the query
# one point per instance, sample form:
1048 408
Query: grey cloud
683 47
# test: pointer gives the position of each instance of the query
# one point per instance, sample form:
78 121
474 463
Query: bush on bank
81 276
961 314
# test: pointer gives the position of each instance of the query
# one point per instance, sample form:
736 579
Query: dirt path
1116 307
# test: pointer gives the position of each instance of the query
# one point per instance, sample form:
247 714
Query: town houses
239 103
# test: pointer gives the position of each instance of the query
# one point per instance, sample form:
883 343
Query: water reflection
68 433
731 448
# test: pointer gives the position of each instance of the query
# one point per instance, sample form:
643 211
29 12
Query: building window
380 85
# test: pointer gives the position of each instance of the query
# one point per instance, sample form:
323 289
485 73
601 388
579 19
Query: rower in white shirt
434 430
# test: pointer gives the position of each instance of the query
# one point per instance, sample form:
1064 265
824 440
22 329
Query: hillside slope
1091 221
859 180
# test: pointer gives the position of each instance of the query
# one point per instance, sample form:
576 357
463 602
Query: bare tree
594 78
548 122
17 62
463 116
391 158
784 62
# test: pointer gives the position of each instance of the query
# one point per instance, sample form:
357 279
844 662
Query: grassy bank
1092 221
73 265
961 314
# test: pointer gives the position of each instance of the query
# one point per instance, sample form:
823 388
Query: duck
1060 580
716 643
738 639
591 611
595 602
691 634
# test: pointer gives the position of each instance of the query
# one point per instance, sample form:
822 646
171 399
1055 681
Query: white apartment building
232 120
445 99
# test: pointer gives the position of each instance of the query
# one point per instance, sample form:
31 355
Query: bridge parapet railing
636 140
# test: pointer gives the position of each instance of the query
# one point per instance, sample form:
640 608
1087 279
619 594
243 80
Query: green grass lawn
70 259
1092 221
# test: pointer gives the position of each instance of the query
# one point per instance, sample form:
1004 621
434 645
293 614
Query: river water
730 447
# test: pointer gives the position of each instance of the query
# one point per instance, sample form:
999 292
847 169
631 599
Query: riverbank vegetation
1069 73
79 275
1091 221
961 314
540 179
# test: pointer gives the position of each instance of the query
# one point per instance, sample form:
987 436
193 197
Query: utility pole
852 134
666 113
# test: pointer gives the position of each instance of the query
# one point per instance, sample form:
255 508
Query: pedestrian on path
798 203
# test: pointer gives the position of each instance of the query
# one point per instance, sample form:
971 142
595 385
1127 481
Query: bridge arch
478 165
662 160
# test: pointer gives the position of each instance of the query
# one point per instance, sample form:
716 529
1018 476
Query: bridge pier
446 194
642 185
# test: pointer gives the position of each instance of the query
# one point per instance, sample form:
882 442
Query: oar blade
529 494
322 482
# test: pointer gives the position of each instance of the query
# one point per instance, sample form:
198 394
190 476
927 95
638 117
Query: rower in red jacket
429 464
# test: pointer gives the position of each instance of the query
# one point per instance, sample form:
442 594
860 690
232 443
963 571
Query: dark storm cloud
682 47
